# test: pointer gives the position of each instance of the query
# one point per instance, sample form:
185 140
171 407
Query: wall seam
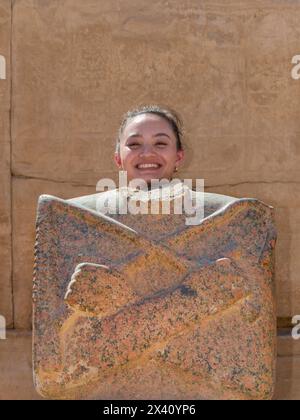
11 175
78 184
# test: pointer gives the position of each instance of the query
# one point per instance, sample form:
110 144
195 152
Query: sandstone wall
73 68
5 175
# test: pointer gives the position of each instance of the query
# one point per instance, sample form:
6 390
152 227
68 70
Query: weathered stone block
118 314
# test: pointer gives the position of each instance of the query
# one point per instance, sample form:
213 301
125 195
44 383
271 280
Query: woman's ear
118 160
180 157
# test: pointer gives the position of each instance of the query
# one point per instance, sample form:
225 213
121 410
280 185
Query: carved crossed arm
204 323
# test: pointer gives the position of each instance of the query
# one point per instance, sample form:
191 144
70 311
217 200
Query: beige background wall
73 68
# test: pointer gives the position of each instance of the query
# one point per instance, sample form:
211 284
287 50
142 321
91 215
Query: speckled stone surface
122 313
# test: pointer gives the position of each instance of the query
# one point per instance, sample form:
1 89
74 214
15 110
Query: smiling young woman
149 144
148 148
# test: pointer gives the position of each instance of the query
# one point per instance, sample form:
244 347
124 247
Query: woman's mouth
148 166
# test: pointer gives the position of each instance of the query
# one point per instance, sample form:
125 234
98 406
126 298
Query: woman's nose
147 151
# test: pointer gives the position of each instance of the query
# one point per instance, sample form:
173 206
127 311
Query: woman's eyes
133 144
136 145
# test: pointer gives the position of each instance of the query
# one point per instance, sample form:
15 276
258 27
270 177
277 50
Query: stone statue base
145 307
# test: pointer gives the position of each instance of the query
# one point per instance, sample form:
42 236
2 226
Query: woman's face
148 148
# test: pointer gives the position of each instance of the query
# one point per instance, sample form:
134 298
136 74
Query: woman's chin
149 176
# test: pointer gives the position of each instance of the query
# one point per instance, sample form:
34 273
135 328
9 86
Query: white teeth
148 165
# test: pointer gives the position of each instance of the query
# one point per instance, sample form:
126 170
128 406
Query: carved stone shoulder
93 201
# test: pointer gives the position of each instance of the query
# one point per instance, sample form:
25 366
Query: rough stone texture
286 200
77 66
5 196
231 65
25 196
16 368
121 313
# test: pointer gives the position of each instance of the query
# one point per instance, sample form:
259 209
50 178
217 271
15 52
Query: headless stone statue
145 307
